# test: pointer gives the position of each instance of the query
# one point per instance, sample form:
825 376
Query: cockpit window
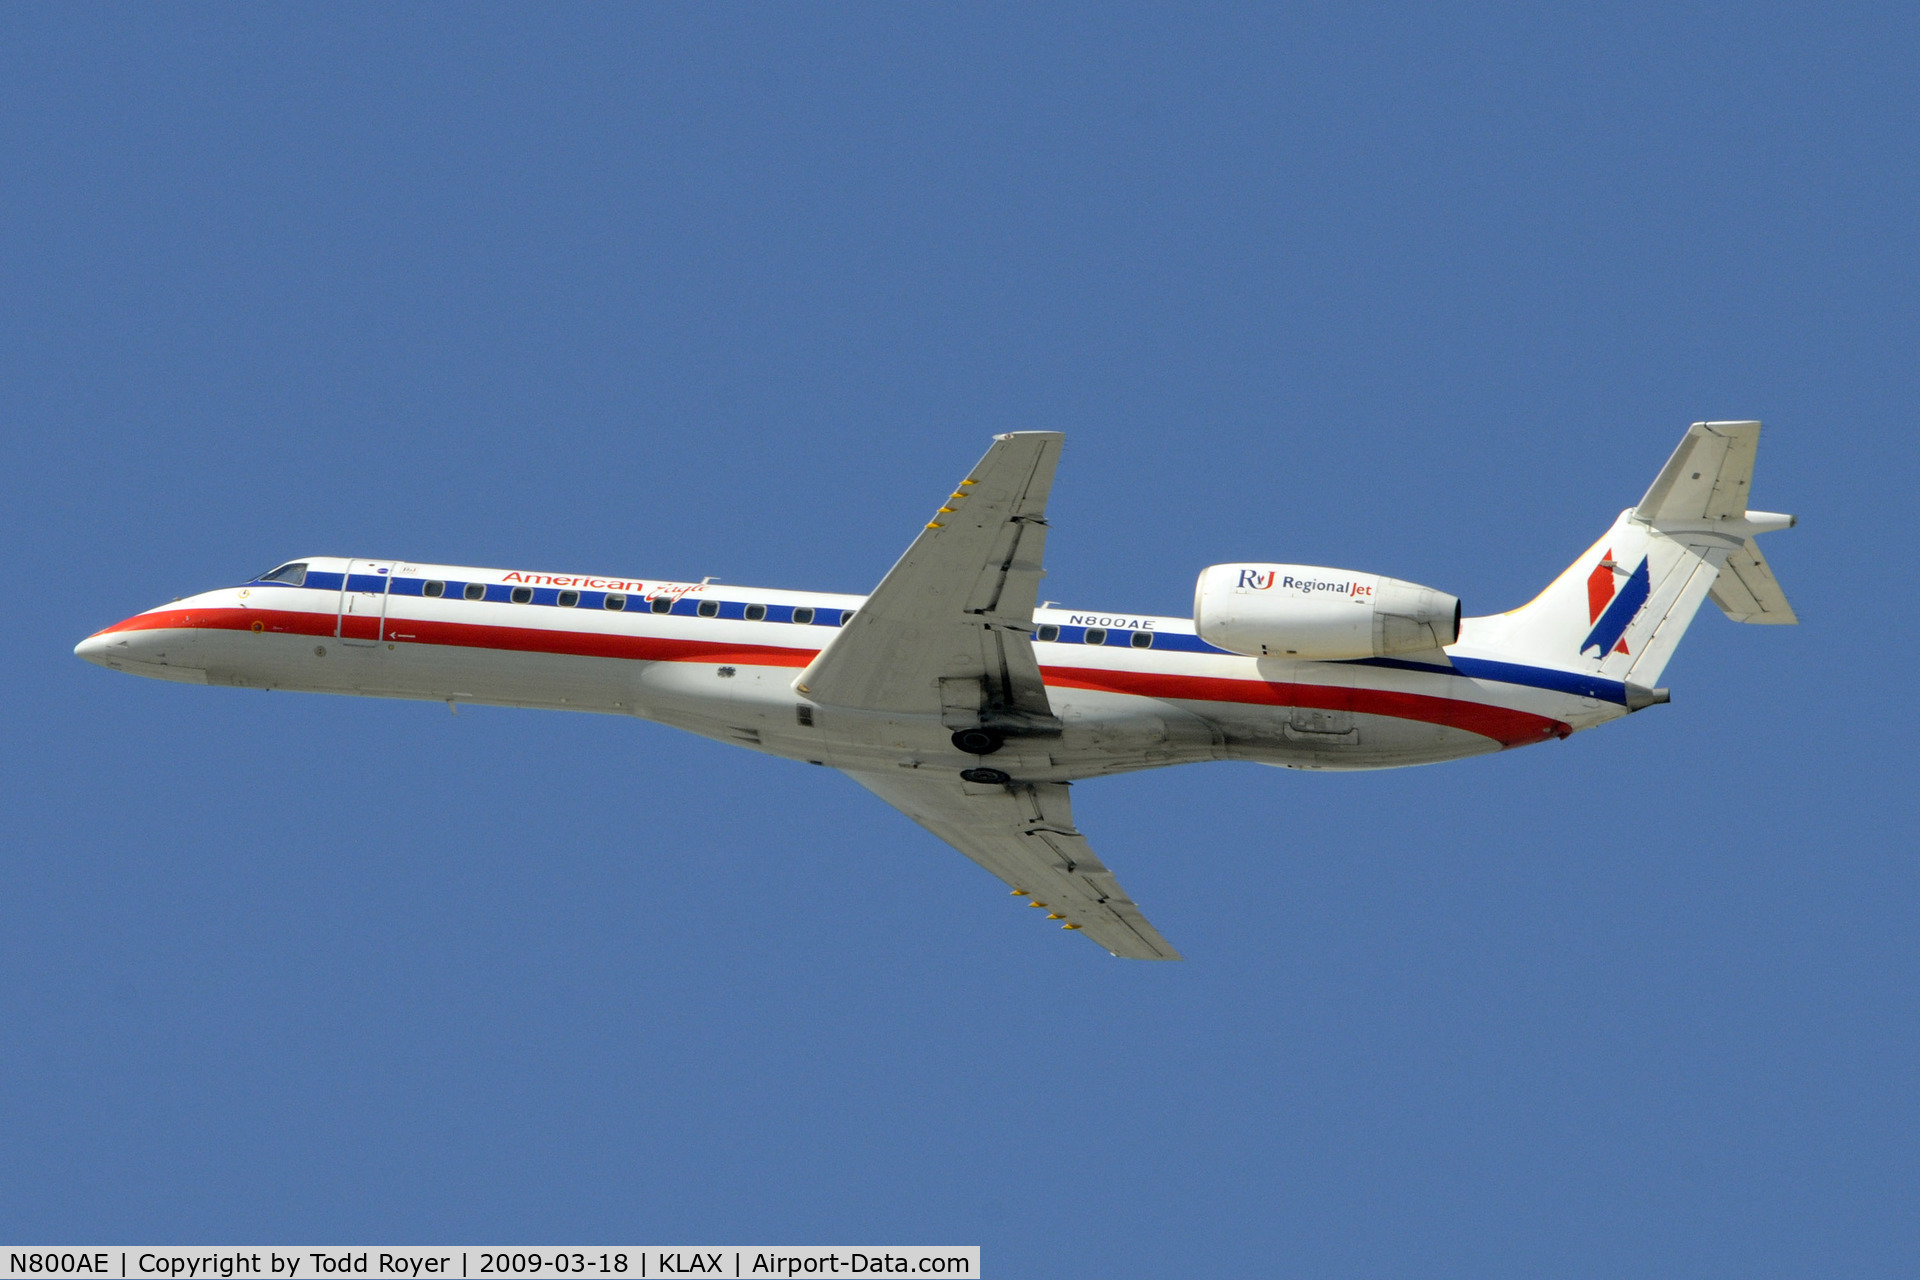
293 575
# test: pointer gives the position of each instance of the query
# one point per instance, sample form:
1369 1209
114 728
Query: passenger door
363 602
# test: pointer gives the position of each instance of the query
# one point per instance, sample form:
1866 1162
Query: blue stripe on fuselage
1571 682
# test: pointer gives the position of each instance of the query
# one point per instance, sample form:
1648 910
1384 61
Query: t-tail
1618 612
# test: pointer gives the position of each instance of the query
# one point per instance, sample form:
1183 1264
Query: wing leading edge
1024 834
948 630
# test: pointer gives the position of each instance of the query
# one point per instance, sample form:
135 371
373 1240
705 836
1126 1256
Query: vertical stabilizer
1618 612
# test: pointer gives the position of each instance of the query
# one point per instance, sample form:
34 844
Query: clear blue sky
738 291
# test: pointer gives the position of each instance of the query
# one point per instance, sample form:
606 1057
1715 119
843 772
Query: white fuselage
1132 691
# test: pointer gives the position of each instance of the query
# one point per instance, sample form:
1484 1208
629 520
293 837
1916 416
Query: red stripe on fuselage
1504 725
468 635
273 621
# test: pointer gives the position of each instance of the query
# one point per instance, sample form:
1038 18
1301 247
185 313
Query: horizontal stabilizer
1747 591
1708 476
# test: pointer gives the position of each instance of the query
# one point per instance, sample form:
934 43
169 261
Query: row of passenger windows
615 601
1095 635
295 575
802 616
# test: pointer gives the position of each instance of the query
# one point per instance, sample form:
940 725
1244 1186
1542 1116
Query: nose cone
141 649
93 649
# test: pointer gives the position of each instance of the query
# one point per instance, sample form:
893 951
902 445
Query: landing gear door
363 602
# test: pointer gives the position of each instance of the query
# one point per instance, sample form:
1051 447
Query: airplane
951 694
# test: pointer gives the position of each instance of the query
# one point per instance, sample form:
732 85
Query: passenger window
292 574
435 589
568 599
522 595
1141 639
475 591
1096 635
756 612
663 604
803 617
847 617
1048 633
708 608
615 603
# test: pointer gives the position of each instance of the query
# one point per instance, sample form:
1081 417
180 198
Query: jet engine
1301 611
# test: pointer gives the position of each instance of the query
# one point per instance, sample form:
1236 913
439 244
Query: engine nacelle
1300 611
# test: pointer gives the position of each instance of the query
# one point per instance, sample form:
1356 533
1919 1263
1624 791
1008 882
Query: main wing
1024 833
948 630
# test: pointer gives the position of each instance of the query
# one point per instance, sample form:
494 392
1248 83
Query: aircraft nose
93 649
